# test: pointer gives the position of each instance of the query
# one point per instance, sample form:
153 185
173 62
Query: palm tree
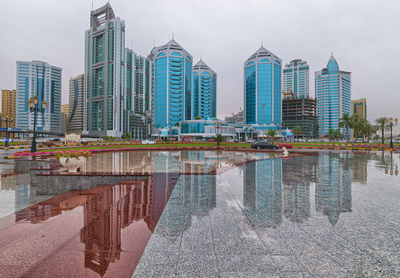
298 130
382 121
271 133
346 121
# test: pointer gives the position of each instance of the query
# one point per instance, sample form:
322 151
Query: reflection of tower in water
262 192
297 175
333 188
194 194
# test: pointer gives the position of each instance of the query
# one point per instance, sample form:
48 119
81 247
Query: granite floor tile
239 263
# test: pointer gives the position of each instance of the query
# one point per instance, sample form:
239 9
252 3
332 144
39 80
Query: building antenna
262 45
92 5
172 35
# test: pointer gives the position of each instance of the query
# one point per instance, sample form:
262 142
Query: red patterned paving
100 232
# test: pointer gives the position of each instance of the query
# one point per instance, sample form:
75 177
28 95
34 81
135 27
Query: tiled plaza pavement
236 239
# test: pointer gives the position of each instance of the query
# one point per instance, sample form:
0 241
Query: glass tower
333 93
104 73
204 91
262 89
296 78
172 73
40 79
76 92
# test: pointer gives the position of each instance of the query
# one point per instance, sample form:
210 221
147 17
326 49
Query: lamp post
33 104
391 123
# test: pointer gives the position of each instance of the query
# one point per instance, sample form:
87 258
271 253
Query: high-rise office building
204 91
104 73
172 80
137 95
8 106
39 79
359 107
333 93
76 95
262 90
296 78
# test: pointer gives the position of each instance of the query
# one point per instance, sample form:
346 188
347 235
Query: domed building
333 93
262 90
172 72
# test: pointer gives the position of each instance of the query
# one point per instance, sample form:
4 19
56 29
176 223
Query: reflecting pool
201 213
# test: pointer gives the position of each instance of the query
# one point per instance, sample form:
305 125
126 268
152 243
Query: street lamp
33 104
391 123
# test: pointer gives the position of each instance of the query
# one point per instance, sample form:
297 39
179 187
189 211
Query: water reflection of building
333 188
106 211
296 176
359 166
262 192
194 194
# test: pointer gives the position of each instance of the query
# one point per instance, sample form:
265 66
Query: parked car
251 141
148 142
263 145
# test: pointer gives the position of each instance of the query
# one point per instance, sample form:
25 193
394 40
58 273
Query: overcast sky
363 35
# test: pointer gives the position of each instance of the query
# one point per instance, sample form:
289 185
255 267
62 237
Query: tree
298 130
219 138
347 122
334 134
271 133
197 118
382 121
331 134
126 136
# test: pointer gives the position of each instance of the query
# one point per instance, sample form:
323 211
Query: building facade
39 79
104 74
137 95
172 80
8 98
204 91
300 112
333 93
296 78
76 97
262 90
64 117
359 107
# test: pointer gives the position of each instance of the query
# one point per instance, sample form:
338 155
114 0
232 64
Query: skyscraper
333 93
76 94
172 75
137 95
296 78
104 73
39 79
262 90
204 91
8 106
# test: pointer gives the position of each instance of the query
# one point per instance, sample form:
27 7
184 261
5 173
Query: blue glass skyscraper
333 93
172 73
262 90
204 91
39 79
